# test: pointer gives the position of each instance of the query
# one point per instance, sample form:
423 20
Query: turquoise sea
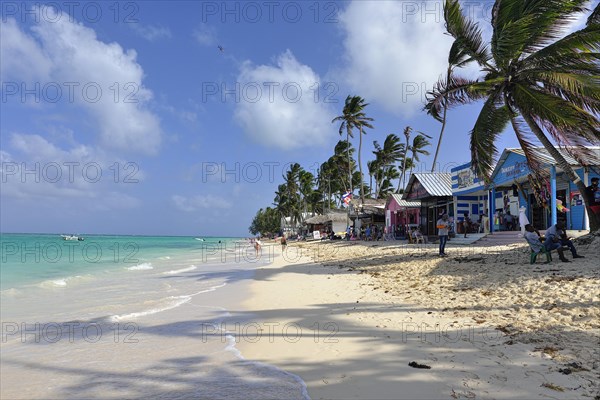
30 258
130 317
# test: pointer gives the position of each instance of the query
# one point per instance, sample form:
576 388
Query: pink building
401 213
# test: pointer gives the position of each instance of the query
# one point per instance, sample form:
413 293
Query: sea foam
141 267
169 304
178 271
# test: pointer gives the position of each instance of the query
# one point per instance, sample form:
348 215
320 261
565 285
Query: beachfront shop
400 215
434 190
470 195
371 212
332 222
556 199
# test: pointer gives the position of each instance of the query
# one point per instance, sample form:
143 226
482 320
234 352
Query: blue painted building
469 193
511 175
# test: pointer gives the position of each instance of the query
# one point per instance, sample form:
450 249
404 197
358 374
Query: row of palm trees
383 168
303 194
545 84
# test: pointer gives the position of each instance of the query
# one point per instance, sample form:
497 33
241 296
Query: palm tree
536 79
386 157
406 161
373 168
418 147
352 117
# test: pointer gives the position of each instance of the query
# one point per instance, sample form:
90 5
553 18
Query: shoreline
366 310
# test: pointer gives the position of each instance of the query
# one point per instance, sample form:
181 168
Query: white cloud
79 176
21 57
395 51
279 105
151 32
205 35
66 51
200 202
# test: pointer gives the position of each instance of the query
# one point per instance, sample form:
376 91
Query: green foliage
544 83
265 222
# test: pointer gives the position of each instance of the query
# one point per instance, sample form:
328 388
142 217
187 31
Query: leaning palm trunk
401 179
349 162
362 195
437 149
564 165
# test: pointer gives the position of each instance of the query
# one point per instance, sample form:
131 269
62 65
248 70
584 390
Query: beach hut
471 195
371 212
434 190
330 222
401 214
545 204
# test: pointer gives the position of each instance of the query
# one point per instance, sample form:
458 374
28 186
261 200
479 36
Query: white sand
489 324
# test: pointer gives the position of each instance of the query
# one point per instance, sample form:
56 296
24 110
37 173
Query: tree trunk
437 150
403 167
362 195
564 165
349 163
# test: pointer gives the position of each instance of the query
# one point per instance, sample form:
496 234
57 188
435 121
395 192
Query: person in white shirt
443 225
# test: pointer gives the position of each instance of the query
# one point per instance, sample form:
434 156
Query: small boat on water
72 237
200 239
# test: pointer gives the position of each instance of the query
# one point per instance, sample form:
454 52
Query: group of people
556 239
369 233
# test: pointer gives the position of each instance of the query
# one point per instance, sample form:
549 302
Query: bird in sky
221 48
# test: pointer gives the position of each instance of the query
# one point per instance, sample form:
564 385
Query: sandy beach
348 318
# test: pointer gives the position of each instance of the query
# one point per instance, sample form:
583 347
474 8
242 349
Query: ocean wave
60 282
141 267
169 304
164 258
10 292
178 271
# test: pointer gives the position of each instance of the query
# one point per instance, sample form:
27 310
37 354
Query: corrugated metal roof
543 154
546 157
436 183
405 203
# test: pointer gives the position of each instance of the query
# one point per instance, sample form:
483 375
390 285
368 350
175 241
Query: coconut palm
352 117
535 79
386 157
457 58
373 168
418 147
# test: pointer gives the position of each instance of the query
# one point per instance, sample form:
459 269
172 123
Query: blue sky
127 118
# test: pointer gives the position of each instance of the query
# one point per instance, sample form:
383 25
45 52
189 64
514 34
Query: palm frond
594 18
586 40
580 90
491 121
526 26
563 120
526 142
457 91
468 38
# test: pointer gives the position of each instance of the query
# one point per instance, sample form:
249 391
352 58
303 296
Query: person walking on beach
257 245
283 243
556 238
442 227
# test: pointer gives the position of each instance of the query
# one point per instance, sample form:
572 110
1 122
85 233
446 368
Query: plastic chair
533 255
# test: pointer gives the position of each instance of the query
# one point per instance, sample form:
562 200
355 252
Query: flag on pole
346 197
